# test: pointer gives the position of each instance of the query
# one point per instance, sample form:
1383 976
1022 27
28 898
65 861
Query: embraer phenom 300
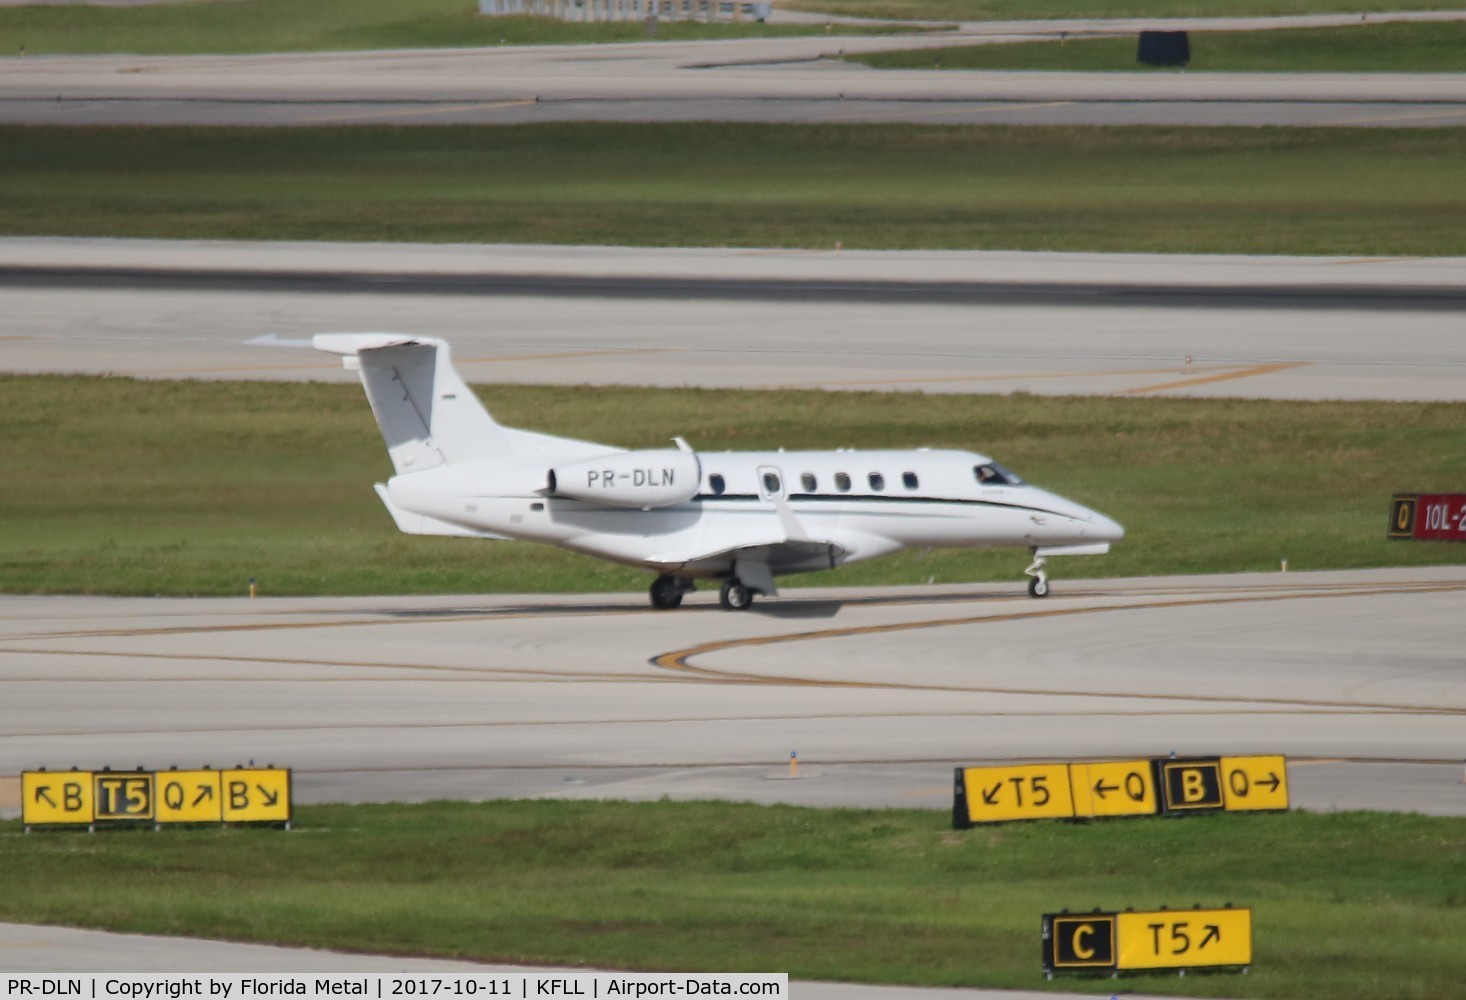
739 517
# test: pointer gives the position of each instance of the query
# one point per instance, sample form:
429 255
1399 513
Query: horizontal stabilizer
349 344
421 524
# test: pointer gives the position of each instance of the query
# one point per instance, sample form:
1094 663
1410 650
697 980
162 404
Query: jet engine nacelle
655 478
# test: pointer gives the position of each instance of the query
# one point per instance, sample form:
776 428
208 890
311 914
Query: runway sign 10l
1155 939
1429 517
103 798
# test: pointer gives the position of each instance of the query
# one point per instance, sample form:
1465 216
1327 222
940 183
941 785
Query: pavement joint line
1156 587
967 107
435 109
480 674
1403 118
430 619
558 356
1078 373
783 765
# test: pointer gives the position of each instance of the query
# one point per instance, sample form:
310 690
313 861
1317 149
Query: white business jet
739 517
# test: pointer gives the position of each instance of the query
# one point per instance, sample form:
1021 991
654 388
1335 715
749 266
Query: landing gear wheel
667 593
735 595
1038 583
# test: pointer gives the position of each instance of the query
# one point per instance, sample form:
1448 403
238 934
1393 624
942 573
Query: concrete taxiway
787 79
1357 677
1133 324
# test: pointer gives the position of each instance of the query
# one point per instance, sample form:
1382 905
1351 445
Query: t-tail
427 414
432 422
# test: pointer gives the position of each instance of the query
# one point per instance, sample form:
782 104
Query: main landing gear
667 592
735 595
1038 585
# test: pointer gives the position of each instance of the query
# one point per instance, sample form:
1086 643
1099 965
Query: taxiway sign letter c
1083 952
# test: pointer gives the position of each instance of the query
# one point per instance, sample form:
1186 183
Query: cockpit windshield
993 474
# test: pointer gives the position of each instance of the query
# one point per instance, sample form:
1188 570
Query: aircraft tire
1038 588
666 593
735 595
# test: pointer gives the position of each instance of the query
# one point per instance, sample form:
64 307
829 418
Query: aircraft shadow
797 609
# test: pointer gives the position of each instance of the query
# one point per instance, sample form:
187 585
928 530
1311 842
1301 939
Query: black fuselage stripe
873 498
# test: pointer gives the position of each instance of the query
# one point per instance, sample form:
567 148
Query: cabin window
809 483
909 480
771 483
716 484
536 506
877 481
842 482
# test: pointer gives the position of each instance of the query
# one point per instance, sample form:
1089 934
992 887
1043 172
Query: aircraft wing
776 552
755 564
786 544
782 547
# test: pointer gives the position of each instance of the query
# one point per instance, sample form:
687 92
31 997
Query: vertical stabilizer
427 415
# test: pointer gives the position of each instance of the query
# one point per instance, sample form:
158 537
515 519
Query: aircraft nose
1104 529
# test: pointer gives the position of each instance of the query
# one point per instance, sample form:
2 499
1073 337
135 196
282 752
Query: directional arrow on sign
1100 788
1272 782
205 794
1213 933
272 797
44 795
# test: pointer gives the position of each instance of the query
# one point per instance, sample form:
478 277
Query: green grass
1223 190
1352 905
240 26
142 487
1028 10
1379 48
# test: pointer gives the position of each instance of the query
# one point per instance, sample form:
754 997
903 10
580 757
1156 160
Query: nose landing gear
1038 586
